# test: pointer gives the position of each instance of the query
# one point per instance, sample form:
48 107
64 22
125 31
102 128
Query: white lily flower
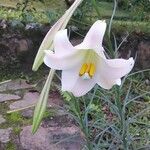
85 65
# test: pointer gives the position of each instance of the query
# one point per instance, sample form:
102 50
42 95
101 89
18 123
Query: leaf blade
42 102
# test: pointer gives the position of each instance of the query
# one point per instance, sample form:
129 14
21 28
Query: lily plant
49 44
85 65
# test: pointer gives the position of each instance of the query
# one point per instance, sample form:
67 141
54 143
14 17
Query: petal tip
118 82
101 22
131 60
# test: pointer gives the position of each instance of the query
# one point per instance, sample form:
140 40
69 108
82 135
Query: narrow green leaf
135 98
141 71
42 102
133 118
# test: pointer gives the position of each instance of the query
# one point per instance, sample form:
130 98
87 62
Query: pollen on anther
88 68
83 69
92 70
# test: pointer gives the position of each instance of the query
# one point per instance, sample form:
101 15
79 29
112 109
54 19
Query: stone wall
19 42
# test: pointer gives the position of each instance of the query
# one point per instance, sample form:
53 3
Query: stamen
87 71
88 68
92 70
83 69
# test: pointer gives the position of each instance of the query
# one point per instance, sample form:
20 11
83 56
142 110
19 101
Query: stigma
87 71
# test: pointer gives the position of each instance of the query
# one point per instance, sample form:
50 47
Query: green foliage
31 11
48 113
27 10
17 130
131 26
12 14
129 4
10 146
82 13
139 9
127 9
16 120
15 117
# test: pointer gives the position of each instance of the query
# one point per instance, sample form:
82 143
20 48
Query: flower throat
88 68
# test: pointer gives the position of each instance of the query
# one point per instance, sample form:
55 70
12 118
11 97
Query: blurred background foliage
131 10
131 15
45 11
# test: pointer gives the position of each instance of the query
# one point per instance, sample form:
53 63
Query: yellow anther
88 68
83 69
92 70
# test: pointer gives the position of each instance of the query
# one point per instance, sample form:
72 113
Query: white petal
106 83
68 61
96 33
62 44
115 68
82 87
94 37
107 76
69 78
72 82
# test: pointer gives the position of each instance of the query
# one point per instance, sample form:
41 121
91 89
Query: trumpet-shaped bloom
85 65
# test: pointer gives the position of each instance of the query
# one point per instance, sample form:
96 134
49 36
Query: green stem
112 17
110 47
